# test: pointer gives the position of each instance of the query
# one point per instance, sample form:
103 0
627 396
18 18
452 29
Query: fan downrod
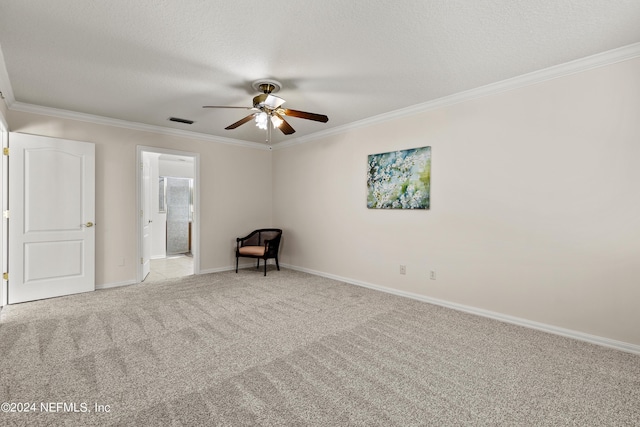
267 86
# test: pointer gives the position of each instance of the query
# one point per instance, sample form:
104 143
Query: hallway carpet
293 349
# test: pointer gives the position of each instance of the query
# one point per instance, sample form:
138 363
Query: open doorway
168 231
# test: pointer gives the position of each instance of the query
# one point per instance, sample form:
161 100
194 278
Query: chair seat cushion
252 250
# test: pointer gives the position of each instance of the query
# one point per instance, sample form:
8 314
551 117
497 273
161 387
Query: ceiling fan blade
285 127
241 122
304 115
223 106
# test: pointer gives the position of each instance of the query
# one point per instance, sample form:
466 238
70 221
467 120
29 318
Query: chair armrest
242 239
268 244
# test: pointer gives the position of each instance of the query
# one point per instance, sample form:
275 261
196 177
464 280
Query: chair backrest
258 237
273 235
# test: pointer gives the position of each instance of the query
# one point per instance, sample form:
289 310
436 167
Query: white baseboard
581 336
205 271
233 267
115 284
221 269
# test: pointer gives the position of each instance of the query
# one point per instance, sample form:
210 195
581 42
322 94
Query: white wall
535 208
175 168
228 197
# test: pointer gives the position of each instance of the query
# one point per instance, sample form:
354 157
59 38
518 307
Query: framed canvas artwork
399 179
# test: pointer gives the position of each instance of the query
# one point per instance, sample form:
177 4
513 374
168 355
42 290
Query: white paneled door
51 217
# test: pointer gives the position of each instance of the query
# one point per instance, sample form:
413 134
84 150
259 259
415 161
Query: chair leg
265 267
277 265
258 266
236 264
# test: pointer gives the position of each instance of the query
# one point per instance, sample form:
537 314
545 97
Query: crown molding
573 67
577 66
90 118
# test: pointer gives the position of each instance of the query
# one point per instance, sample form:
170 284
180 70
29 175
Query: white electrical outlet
403 269
432 275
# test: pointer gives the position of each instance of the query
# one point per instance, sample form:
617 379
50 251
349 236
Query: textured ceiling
146 60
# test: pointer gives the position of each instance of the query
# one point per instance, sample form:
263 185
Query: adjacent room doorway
168 213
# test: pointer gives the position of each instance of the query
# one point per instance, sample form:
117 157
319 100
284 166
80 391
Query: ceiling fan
268 108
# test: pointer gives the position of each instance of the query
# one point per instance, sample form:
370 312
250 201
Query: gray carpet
293 349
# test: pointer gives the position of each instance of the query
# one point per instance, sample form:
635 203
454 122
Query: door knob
88 224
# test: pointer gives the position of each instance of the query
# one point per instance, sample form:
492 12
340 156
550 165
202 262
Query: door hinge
5 276
5 214
141 166
142 261
5 151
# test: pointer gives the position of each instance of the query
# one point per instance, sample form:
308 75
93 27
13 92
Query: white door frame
147 223
4 201
195 228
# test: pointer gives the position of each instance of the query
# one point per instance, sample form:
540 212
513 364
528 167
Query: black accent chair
260 244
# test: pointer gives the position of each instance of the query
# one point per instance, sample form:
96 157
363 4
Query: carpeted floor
293 349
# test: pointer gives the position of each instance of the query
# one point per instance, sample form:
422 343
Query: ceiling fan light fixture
262 120
276 121
268 108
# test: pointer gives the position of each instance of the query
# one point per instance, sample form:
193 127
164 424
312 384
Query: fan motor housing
266 100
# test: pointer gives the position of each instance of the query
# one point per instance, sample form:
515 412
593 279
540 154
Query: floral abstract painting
399 179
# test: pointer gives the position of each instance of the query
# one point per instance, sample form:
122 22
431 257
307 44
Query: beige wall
535 204
3 109
234 196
